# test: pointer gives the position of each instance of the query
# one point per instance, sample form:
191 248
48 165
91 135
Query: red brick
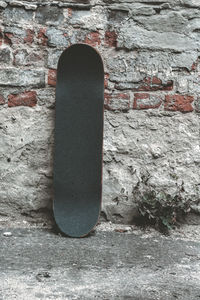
106 77
52 77
28 98
120 101
179 103
2 100
194 65
29 36
42 38
93 39
146 101
111 38
8 38
69 10
11 38
156 80
154 84
18 35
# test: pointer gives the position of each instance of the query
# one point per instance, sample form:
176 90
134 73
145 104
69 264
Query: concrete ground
115 262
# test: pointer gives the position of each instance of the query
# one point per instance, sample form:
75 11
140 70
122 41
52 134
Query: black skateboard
78 140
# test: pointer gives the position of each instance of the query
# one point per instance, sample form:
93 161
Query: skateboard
78 140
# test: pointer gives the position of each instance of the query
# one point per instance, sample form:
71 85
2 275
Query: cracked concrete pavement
113 263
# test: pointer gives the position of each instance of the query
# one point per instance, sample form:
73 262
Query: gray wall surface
152 84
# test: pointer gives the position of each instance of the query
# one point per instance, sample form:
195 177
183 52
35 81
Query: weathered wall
152 84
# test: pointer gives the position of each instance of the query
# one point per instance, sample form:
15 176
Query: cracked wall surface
152 84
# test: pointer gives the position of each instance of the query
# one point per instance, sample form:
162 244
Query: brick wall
152 84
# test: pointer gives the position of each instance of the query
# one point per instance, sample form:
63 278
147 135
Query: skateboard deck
78 140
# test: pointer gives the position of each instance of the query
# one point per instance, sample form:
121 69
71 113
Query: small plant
159 208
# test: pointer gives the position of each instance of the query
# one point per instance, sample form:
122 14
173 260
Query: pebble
7 233
3 4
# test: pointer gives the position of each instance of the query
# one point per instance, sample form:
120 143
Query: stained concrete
38 263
